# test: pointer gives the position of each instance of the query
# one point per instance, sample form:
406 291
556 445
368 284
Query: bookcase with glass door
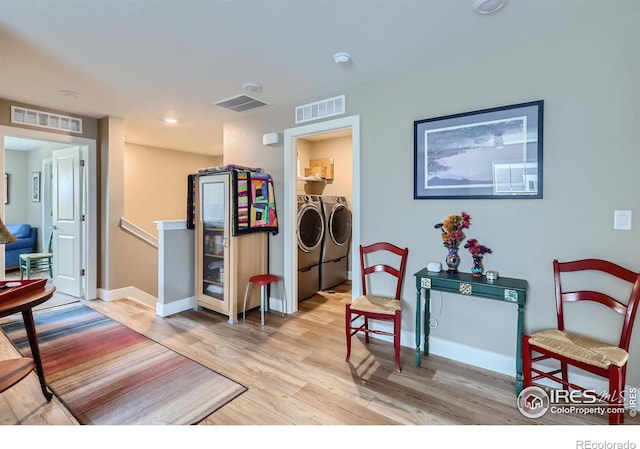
224 262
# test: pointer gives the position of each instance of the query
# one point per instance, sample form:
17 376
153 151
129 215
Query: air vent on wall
241 103
44 119
320 109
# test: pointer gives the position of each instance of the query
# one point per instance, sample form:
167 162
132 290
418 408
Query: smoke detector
342 57
252 87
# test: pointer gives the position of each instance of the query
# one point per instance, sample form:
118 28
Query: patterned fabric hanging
253 196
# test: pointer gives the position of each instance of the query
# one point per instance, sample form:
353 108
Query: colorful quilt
253 202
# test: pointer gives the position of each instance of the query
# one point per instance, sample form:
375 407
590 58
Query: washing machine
334 262
310 234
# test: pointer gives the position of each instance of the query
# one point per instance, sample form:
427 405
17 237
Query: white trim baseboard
177 306
135 294
132 293
480 358
504 364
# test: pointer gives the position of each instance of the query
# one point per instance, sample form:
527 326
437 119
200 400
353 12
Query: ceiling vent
241 103
42 119
320 109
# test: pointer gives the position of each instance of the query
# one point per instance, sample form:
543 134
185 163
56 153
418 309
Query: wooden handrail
138 232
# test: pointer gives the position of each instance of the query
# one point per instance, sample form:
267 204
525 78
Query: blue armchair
27 243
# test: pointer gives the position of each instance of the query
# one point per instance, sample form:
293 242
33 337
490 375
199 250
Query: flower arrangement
452 227
476 249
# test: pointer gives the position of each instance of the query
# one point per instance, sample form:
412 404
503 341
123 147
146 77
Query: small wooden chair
37 262
608 360
375 307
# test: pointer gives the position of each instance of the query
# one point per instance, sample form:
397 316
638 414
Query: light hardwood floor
295 372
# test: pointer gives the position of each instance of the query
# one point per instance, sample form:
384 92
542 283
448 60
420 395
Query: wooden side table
14 370
509 290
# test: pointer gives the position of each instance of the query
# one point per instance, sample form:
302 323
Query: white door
66 188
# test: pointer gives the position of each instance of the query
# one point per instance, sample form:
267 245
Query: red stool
263 280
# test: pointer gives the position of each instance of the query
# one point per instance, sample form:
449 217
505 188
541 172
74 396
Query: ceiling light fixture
342 57
170 120
252 87
488 6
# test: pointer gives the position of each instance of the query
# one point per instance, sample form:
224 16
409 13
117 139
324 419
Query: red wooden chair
375 307
570 348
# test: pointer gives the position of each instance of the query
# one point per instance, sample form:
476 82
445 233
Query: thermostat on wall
270 139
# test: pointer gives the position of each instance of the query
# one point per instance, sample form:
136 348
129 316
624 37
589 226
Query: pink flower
476 249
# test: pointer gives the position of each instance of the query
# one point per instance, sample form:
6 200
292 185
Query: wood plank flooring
295 372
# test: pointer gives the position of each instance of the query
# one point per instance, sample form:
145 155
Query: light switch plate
622 220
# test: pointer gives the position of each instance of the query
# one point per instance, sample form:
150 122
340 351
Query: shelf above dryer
313 185
312 179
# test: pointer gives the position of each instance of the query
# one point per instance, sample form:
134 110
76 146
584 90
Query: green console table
503 289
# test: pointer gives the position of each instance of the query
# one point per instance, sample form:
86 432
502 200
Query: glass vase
477 269
452 260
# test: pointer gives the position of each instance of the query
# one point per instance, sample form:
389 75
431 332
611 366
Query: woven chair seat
35 256
580 348
376 304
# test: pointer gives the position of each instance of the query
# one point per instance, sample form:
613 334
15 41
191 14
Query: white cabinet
224 263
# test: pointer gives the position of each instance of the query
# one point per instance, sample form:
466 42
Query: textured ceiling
142 60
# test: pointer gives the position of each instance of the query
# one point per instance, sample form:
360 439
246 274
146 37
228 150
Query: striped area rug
107 373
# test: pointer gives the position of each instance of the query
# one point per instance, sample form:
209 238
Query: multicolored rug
107 373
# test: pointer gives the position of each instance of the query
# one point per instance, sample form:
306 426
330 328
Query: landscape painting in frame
491 153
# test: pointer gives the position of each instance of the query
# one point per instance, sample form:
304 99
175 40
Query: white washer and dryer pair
334 260
310 235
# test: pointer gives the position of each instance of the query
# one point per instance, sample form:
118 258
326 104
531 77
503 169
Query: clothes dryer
337 239
310 233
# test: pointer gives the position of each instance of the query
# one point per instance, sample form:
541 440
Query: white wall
16 163
155 183
21 165
588 77
243 146
303 156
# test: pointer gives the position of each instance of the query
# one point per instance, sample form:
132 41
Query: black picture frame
491 153
35 184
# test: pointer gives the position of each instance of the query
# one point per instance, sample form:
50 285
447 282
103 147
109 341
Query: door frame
90 228
45 183
291 136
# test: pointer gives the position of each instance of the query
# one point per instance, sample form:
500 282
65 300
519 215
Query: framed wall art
35 186
491 153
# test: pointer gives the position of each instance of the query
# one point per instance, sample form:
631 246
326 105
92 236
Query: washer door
340 224
310 228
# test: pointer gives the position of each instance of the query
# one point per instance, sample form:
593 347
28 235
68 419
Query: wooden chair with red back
375 307
608 360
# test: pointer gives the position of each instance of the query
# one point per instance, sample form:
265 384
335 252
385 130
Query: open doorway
41 209
291 138
324 198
